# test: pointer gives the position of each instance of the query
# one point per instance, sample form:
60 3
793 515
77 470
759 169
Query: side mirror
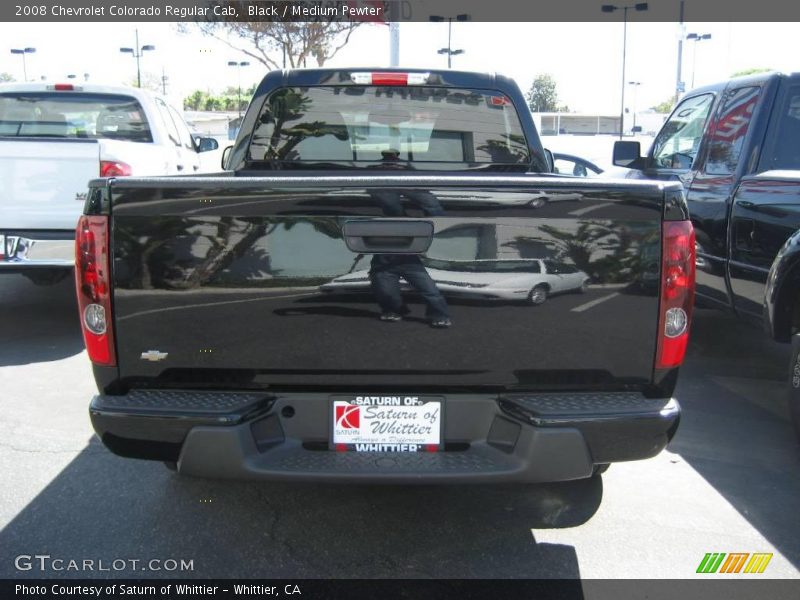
551 161
627 154
206 144
225 155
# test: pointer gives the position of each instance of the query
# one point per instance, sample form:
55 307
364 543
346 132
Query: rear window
73 115
402 125
783 152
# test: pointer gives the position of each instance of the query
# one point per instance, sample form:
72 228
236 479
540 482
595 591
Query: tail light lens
677 292
92 282
499 101
115 168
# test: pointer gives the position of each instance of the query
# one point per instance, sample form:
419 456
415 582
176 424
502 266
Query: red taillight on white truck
92 282
677 292
115 168
64 87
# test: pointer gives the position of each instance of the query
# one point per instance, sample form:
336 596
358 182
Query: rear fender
781 308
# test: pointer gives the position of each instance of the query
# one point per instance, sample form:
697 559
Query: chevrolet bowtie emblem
154 355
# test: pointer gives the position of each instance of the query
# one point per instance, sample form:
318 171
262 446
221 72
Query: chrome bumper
50 250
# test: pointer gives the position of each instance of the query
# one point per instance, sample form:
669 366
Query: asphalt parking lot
729 482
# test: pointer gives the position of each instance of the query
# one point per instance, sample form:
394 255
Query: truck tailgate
44 181
275 281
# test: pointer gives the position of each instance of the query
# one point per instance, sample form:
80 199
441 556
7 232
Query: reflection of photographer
386 270
385 273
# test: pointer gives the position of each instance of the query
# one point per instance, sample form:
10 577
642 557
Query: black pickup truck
388 284
735 146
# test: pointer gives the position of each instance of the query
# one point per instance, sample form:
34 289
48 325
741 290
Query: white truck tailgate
45 181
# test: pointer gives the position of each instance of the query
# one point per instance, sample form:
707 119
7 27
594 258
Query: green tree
212 103
665 107
751 71
542 96
225 100
6 77
194 100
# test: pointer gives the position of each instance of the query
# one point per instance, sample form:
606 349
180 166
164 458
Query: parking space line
593 303
151 311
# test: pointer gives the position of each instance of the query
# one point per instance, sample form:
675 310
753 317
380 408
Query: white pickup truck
54 138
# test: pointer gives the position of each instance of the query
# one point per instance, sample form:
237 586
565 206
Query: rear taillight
92 282
64 87
389 78
677 292
499 101
115 168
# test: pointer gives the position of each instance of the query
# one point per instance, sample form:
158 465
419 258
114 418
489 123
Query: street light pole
138 56
679 82
394 44
642 6
238 65
624 53
697 37
449 42
635 85
449 50
137 52
22 52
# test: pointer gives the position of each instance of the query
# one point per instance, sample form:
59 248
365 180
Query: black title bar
709 588
381 11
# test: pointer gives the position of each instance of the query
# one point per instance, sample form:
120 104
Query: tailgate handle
388 237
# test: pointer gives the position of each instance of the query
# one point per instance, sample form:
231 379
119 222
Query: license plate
2 246
387 423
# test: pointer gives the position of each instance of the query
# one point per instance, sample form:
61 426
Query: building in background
596 124
211 123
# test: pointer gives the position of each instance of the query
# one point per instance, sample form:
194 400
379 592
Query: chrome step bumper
32 249
284 436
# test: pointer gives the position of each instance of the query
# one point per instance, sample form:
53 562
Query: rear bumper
36 249
514 438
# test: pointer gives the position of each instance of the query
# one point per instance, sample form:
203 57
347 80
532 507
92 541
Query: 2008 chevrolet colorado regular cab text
221 347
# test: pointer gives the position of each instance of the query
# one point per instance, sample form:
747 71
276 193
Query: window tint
725 145
676 146
73 115
784 150
388 124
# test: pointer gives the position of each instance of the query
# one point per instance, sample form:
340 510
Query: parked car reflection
523 280
568 164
